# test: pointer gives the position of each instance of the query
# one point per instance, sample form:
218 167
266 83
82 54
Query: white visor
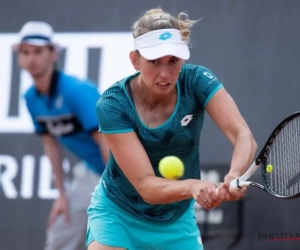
159 43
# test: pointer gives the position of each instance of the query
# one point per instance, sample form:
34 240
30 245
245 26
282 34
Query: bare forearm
54 153
58 172
243 153
157 190
104 151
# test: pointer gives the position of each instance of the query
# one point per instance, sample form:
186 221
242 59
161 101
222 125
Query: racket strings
284 156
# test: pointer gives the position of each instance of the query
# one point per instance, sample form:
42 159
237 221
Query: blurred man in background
62 108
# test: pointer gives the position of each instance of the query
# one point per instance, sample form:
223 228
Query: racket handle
237 183
234 184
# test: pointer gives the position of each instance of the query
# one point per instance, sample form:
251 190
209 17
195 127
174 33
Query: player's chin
35 73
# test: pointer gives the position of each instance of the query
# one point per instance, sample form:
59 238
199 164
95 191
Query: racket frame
261 158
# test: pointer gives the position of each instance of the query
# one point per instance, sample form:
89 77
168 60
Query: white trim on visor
164 42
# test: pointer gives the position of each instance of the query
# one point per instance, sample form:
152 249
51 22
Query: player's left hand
231 194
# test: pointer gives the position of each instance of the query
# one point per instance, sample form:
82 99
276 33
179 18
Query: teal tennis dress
118 216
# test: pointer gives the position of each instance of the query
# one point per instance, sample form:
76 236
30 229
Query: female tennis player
157 112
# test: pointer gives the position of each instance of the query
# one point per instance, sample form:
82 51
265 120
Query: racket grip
234 184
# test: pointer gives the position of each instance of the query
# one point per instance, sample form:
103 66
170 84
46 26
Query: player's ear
134 60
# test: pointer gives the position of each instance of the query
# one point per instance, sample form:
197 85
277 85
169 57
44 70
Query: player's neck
42 82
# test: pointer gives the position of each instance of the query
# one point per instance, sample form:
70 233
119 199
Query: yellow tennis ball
171 167
269 168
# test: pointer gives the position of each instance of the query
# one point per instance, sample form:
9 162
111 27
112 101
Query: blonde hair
155 19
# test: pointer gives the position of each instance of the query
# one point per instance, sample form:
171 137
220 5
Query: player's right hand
60 207
231 194
205 194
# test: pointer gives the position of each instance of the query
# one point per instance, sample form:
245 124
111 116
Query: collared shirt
68 113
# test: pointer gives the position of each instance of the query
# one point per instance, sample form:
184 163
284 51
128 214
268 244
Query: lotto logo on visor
169 43
165 36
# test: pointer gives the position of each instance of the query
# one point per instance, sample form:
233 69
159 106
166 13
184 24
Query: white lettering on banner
26 189
214 216
8 175
114 65
45 191
9 171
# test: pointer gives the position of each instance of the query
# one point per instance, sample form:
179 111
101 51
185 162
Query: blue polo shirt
68 113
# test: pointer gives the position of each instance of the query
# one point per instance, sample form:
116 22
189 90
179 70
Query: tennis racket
279 160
